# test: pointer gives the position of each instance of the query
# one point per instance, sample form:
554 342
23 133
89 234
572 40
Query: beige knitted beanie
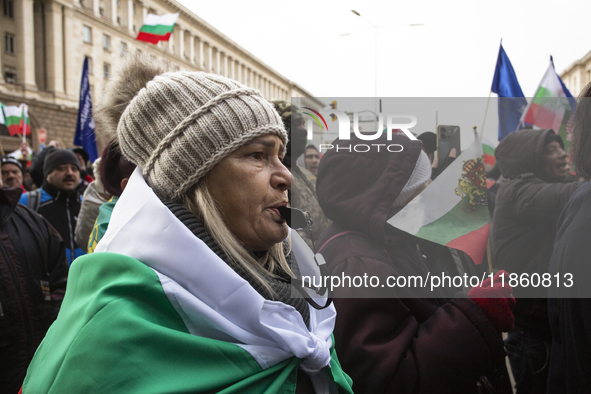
183 123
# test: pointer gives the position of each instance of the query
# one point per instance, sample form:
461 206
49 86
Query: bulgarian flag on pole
452 211
157 28
552 106
16 119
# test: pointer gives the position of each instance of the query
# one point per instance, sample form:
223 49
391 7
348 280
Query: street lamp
375 27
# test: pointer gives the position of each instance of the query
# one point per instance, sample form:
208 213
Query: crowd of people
183 274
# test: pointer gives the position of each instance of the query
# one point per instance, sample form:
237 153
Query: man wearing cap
523 228
59 198
12 172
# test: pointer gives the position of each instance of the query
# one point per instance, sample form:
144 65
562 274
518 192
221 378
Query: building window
133 5
9 43
90 68
118 20
102 11
87 34
123 48
8 9
106 70
10 76
134 28
118 3
106 42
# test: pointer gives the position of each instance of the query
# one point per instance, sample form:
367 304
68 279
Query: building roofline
576 63
225 39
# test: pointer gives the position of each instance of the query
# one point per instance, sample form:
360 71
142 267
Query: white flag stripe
438 198
166 19
551 83
12 110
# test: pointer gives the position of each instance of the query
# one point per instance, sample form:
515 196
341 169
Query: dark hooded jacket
570 315
33 272
404 342
527 208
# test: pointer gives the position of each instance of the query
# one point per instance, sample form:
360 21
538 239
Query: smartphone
448 137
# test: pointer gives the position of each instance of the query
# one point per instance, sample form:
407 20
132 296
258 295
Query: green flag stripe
144 330
11 120
543 92
460 220
158 30
117 332
488 149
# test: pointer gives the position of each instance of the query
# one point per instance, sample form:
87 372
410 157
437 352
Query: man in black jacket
523 228
33 273
60 197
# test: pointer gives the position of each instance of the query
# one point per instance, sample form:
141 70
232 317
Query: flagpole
24 115
488 254
485 112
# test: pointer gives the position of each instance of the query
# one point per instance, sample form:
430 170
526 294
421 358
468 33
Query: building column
96 7
114 12
129 16
192 48
54 44
200 52
1 70
25 43
69 55
218 62
266 87
181 42
209 58
226 72
170 43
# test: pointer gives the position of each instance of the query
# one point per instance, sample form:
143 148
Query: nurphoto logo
393 124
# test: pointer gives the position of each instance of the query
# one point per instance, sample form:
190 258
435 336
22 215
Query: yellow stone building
45 43
577 75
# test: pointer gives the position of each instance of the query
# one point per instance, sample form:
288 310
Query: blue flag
84 136
511 99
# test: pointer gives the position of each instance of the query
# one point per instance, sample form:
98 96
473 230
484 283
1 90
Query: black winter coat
570 315
33 274
526 211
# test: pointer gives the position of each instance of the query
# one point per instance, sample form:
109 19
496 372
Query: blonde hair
203 206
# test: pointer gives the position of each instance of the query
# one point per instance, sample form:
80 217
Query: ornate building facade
45 43
577 75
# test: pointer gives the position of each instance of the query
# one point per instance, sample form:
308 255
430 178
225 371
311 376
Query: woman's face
248 187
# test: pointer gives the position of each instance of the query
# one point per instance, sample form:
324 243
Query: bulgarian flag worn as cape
157 28
452 211
155 310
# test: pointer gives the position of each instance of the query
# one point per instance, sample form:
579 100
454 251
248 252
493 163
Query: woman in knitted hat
190 288
401 338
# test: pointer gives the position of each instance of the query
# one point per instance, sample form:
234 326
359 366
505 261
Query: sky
331 52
